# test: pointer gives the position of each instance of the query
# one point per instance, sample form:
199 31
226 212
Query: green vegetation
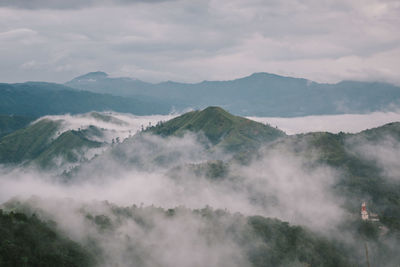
27 241
39 143
28 143
70 145
264 241
222 129
11 123
361 178
285 244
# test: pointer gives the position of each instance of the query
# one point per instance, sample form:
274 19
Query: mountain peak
221 128
92 76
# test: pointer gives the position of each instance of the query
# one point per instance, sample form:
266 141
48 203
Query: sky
196 40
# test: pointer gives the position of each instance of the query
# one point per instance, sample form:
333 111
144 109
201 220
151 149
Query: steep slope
69 147
28 143
222 129
41 143
260 94
10 123
39 99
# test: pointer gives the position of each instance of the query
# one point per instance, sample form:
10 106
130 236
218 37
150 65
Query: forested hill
221 128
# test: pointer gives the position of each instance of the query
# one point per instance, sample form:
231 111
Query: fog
149 172
278 185
348 123
112 124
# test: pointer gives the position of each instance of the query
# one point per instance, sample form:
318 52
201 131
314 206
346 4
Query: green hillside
222 129
11 123
39 143
69 146
361 178
28 241
28 143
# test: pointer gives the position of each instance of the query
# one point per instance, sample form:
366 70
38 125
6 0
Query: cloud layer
196 40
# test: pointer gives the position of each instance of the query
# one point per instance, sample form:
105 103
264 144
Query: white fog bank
348 123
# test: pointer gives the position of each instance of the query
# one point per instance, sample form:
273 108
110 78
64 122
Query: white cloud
348 123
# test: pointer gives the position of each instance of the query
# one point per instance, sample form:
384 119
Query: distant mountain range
36 99
260 94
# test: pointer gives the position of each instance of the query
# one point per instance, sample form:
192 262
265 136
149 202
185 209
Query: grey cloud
70 4
201 40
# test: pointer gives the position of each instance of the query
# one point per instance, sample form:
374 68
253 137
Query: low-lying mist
112 124
148 171
348 123
158 171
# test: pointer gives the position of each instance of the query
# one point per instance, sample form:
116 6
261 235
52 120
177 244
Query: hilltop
221 128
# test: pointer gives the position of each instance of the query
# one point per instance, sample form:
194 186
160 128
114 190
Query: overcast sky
195 40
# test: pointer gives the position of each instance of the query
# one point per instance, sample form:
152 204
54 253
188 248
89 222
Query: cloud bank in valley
348 123
112 124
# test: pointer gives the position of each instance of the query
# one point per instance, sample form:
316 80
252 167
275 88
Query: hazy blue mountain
100 82
260 94
37 99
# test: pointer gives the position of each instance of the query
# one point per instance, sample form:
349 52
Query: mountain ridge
259 94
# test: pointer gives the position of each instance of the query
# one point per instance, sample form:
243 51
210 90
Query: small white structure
364 212
372 217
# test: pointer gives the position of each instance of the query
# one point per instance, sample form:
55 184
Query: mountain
260 94
10 123
221 128
42 143
159 156
100 82
35 99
